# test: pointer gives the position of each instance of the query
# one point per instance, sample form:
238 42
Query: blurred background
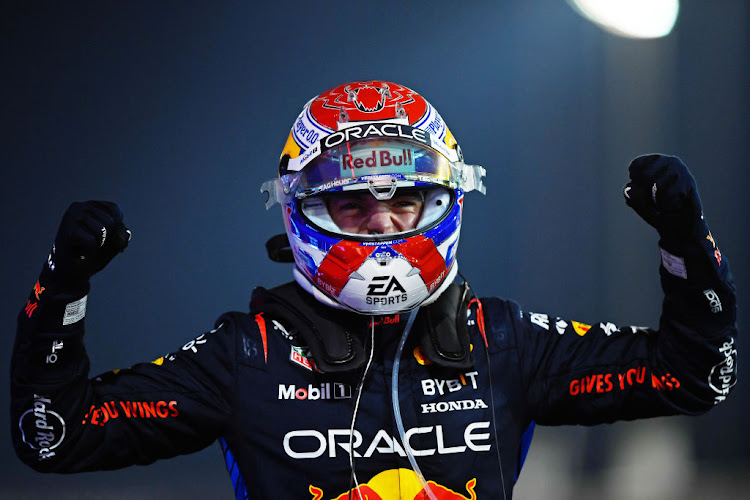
178 111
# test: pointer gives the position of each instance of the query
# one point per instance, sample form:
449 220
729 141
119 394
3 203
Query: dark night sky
178 112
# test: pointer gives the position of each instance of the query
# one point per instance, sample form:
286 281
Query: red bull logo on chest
398 484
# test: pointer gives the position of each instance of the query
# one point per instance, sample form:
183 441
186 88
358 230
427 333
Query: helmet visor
381 163
374 160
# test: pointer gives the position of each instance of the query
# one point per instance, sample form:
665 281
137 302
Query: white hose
397 407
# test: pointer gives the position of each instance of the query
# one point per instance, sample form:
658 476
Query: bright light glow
631 18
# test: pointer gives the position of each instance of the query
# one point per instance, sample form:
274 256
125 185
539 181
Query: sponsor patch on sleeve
673 264
75 311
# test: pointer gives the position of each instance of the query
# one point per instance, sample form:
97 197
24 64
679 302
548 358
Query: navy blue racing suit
253 384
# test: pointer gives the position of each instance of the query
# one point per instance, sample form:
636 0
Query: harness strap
333 336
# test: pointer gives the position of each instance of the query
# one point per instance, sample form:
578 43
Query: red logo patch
30 307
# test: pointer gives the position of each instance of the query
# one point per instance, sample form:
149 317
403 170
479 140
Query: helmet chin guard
304 281
380 140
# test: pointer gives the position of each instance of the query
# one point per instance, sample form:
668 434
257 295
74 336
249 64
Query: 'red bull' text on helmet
381 147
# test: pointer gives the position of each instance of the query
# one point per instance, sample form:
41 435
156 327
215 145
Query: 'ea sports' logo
380 286
385 283
385 290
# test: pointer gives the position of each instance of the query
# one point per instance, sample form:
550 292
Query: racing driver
376 372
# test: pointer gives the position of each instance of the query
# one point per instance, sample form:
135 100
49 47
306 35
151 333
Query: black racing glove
91 233
663 192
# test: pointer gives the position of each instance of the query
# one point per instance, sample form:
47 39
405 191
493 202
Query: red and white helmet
377 137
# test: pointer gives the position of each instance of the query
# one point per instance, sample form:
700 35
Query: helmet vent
383 258
382 190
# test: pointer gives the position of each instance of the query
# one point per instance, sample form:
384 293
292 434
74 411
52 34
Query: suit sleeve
62 421
581 373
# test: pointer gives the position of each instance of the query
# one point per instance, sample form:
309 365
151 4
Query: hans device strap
334 336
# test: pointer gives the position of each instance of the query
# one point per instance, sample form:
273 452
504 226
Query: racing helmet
375 144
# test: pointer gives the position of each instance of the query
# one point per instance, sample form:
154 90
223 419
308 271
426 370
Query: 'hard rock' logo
41 428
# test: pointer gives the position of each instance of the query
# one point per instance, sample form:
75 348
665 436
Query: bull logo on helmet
369 100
